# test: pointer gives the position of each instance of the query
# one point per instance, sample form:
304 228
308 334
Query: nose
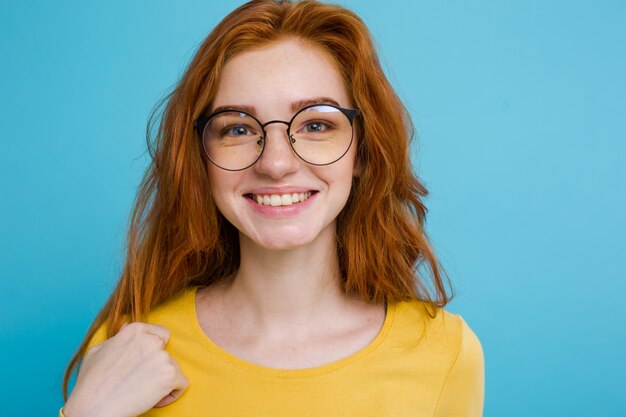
278 158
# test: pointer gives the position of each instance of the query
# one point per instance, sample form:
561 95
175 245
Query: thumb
180 386
170 398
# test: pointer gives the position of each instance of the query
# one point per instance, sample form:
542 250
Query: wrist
70 409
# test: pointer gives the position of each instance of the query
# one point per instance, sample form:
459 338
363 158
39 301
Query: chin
285 238
281 243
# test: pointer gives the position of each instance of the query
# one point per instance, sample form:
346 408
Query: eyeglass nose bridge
291 140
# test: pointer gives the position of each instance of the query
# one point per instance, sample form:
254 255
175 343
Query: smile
276 200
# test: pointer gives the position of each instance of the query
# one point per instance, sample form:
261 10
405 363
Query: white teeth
286 200
276 200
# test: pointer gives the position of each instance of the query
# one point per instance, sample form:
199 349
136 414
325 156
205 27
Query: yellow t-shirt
416 366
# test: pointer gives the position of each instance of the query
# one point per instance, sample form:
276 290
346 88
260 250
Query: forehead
274 76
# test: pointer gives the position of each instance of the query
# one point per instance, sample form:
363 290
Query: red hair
178 238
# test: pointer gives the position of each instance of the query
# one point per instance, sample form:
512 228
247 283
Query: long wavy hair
178 238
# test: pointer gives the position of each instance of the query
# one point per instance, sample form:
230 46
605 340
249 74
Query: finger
139 328
159 331
167 400
181 385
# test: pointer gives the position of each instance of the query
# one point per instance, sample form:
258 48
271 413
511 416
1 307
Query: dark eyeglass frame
202 121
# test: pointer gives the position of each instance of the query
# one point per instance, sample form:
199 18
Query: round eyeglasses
319 135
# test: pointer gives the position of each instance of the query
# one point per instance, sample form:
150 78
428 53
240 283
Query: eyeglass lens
319 135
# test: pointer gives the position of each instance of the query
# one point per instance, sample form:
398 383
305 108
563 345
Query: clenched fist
127 375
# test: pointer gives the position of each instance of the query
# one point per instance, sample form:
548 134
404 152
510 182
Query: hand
127 375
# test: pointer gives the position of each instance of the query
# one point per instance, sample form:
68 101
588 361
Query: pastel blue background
521 113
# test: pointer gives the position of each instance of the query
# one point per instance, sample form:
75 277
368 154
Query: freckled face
271 82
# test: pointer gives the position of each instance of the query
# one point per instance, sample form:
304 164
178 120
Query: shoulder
436 326
170 314
454 349
176 309
466 354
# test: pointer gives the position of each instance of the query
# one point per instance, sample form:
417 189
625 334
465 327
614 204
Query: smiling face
282 202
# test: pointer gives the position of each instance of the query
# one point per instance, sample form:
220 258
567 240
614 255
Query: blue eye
238 130
315 127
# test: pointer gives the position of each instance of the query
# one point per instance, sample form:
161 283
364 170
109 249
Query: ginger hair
177 238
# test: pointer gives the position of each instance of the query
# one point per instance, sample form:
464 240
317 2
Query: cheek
220 185
344 178
354 166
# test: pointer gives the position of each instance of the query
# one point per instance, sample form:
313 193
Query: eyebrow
295 106
300 104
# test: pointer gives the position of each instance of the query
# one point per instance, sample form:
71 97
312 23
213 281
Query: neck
287 288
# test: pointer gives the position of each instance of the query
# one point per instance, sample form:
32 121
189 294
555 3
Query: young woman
277 262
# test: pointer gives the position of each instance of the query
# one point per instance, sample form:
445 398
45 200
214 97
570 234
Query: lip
278 212
287 189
